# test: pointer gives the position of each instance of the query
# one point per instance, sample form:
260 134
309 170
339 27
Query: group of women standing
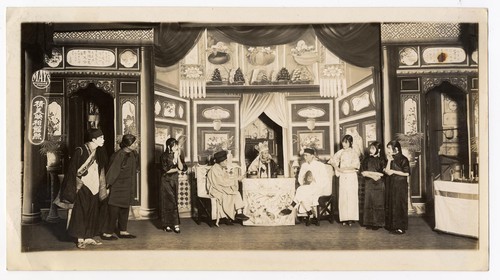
386 186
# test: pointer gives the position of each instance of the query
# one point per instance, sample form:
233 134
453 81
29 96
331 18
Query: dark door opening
274 137
91 108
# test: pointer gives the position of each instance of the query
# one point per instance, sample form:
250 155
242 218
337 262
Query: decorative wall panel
402 32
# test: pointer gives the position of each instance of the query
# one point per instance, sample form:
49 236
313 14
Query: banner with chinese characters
38 120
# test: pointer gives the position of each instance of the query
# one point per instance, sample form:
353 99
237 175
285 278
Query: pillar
32 169
147 195
386 98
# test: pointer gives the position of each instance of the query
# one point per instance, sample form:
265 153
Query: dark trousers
168 193
119 214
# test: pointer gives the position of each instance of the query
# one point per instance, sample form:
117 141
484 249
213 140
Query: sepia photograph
232 138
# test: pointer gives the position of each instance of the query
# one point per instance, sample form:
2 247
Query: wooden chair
327 203
205 204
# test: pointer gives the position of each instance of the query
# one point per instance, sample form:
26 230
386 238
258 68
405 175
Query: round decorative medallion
55 60
475 56
452 105
128 58
408 56
346 108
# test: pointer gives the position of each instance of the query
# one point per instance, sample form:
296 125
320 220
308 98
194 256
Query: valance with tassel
192 81
332 81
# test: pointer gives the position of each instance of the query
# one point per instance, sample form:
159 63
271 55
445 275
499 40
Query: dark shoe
369 227
345 223
285 212
315 221
241 217
129 236
167 229
104 237
308 221
177 230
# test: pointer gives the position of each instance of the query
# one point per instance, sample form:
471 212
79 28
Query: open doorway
91 108
263 129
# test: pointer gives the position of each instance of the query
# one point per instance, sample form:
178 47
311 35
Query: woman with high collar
172 162
346 163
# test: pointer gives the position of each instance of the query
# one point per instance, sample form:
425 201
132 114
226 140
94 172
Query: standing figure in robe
398 170
83 189
346 164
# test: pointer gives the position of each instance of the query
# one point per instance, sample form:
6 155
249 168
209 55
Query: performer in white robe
346 163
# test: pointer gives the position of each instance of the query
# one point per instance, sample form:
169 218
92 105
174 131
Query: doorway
447 131
261 130
91 108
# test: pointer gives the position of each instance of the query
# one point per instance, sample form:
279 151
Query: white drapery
273 104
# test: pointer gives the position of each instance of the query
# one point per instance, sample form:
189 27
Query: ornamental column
148 196
33 163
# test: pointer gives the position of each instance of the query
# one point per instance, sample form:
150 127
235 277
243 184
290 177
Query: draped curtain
263 35
355 43
173 42
273 104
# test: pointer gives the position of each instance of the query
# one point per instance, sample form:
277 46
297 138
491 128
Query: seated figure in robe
263 164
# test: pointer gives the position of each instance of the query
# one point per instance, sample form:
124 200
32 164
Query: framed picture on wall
352 129
213 141
162 133
370 132
313 139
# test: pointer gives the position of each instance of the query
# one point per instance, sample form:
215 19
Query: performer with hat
225 189
83 187
313 169
263 164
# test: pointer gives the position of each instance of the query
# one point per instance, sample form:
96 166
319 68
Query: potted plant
411 143
53 150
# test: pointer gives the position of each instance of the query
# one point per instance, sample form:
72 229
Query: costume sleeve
166 162
336 158
364 165
184 165
254 165
302 173
405 165
114 167
68 187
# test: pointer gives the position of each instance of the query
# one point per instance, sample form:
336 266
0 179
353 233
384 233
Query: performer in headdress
263 164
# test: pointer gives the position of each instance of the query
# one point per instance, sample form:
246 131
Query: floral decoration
192 72
220 47
302 48
333 71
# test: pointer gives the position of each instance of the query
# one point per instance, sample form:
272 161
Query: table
265 198
456 207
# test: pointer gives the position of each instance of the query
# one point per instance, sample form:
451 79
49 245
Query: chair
205 204
327 203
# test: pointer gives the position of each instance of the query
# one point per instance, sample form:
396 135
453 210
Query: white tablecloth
265 198
457 207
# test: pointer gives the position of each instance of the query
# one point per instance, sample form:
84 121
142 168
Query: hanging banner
38 120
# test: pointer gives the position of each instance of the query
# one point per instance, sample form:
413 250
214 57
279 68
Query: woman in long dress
372 169
172 162
398 169
346 164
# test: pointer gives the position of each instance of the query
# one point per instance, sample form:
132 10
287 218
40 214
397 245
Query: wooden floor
53 237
